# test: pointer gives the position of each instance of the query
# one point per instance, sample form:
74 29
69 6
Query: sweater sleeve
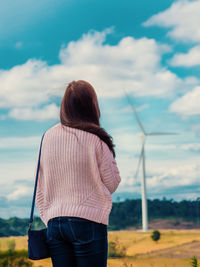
108 169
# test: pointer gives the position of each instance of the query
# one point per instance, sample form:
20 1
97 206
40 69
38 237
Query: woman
77 175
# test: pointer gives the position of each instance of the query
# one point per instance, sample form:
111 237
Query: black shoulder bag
37 246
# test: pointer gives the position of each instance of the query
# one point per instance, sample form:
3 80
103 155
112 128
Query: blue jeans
77 242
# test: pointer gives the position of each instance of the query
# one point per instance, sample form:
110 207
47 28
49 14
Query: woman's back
77 175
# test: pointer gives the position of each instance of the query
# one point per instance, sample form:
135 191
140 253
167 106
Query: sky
148 49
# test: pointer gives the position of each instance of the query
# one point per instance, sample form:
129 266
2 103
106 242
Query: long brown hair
80 109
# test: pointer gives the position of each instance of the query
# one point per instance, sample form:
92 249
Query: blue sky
150 49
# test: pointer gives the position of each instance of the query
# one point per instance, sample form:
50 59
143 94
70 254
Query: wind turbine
144 134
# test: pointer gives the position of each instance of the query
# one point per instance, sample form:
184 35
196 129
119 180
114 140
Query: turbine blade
137 118
140 158
161 133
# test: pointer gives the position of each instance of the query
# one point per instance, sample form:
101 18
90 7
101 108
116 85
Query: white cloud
20 192
133 64
170 171
187 105
50 111
132 143
165 162
12 171
163 176
182 19
181 175
27 85
192 58
196 129
191 147
128 108
19 142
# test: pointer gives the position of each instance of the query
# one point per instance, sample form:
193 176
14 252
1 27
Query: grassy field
174 249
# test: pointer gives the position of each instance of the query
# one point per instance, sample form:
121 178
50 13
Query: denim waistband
65 218
59 218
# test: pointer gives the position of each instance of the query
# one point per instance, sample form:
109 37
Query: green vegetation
18 227
115 249
128 212
155 236
123 215
194 262
11 245
129 248
13 258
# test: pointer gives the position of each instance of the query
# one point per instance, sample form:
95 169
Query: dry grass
141 243
173 249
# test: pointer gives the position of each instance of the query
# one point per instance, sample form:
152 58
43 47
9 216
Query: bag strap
36 180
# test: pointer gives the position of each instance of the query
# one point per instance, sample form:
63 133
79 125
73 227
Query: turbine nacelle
142 135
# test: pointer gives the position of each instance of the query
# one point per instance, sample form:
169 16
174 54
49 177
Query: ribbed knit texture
77 175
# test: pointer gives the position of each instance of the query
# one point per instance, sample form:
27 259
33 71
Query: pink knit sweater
77 175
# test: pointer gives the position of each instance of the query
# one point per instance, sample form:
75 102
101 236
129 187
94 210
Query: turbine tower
143 135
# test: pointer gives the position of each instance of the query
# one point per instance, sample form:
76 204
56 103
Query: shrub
11 245
115 249
11 258
155 235
194 261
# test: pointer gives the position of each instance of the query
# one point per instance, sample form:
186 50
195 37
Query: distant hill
128 214
163 214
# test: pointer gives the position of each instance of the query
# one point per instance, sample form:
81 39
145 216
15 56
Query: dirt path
183 251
